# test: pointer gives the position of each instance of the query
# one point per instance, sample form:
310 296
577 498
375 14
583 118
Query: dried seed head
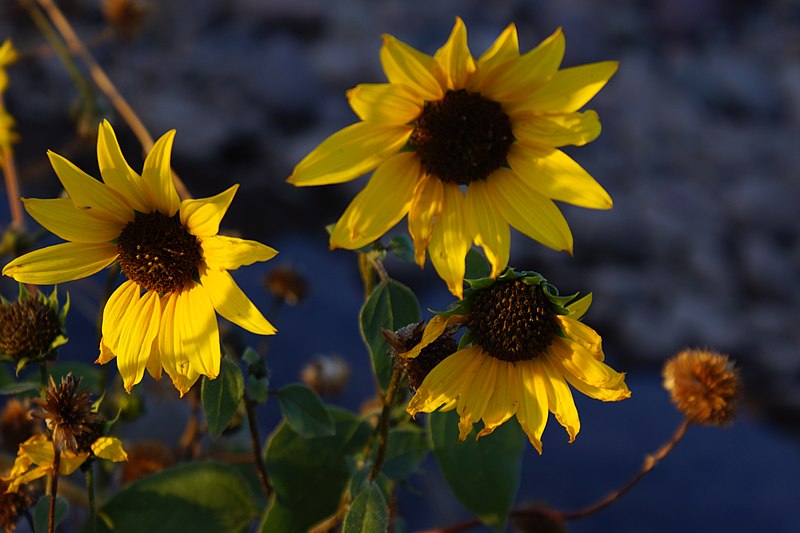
704 386
328 375
69 416
287 284
419 367
13 505
28 327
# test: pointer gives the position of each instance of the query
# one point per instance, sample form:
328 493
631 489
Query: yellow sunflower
465 148
524 345
163 315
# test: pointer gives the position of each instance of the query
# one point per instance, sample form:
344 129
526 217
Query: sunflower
524 344
163 315
465 148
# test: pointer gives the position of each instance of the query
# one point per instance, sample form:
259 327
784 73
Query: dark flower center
157 252
462 137
27 328
512 321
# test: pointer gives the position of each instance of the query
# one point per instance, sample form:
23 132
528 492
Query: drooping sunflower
465 148
524 344
176 265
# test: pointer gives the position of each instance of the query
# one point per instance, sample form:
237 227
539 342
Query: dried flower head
126 16
536 519
16 425
12 506
145 458
31 327
69 416
287 284
326 374
704 386
404 339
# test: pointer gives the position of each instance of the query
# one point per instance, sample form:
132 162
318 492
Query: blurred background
699 152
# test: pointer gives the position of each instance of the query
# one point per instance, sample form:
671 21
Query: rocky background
699 152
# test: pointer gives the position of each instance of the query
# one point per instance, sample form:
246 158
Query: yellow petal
139 325
154 366
230 302
38 450
170 348
475 398
569 89
157 176
109 448
70 462
516 80
433 330
116 172
451 240
196 330
455 58
559 399
502 50
532 413
122 299
106 355
383 202
16 482
426 206
579 362
60 217
349 153
528 211
385 103
90 195
582 334
574 129
202 216
490 229
61 262
504 400
578 308
230 253
446 382
406 66
553 174
614 394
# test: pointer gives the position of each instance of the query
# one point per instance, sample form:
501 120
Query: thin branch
383 423
258 457
12 182
51 525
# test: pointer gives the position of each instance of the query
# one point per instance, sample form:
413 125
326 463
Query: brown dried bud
287 284
126 16
28 328
145 458
704 386
327 375
69 416
417 368
16 425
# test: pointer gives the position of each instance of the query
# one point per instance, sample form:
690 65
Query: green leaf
402 247
368 513
17 388
391 306
406 450
476 265
91 375
309 475
483 474
221 396
197 497
41 514
304 411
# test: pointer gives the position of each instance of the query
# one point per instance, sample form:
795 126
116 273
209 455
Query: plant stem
383 423
12 182
54 492
90 495
43 378
258 457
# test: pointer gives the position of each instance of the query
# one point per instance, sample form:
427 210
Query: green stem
51 525
90 495
383 423
43 378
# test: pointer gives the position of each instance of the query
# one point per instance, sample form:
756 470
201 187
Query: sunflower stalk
258 456
51 524
383 423
90 496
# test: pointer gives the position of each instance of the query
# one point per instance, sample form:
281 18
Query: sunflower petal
139 328
476 397
88 194
116 172
455 58
60 217
491 231
503 49
504 400
349 153
582 334
121 300
426 206
109 448
614 394
202 216
170 349
554 174
532 412
230 253
451 240
230 302
383 202
437 325
157 175
579 362
61 262
574 129
569 89
406 66
517 79
385 103
559 399
196 330
445 382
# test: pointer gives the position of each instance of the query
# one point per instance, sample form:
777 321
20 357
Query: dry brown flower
68 414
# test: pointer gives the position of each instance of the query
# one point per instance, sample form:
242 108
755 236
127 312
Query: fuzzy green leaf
368 513
221 396
41 514
406 449
304 411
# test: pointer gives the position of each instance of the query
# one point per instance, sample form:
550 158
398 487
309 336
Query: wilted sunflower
524 344
165 247
465 148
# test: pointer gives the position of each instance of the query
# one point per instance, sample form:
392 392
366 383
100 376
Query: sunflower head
704 386
417 368
13 505
31 327
69 415
287 284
